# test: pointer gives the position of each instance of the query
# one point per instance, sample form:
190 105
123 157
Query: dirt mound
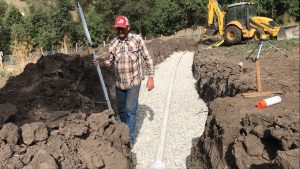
52 105
161 49
53 115
55 83
237 134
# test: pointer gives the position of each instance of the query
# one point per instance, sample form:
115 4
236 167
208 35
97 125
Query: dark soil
238 134
53 115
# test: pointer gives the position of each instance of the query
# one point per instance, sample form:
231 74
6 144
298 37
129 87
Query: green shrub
5 73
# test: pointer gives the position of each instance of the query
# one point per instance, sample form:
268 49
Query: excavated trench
53 115
237 135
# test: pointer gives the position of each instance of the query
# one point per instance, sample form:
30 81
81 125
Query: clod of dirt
10 133
34 132
107 144
42 160
288 159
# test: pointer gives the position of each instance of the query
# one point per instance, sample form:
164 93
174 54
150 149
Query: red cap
261 104
121 21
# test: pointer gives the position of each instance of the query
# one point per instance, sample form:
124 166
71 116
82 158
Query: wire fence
34 56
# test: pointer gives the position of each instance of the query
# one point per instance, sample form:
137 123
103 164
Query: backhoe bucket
211 40
288 32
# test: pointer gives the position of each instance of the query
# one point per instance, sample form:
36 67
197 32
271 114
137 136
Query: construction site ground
53 115
238 134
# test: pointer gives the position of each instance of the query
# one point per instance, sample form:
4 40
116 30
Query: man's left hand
150 83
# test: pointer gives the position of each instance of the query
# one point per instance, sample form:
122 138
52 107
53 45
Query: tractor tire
256 36
233 35
258 33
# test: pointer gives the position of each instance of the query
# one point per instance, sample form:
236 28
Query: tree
137 12
63 26
3 7
96 25
166 18
192 12
4 32
108 10
283 11
10 19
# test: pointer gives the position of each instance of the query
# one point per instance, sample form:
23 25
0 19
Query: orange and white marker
268 102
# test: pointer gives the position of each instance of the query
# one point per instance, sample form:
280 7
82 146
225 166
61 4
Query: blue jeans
127 105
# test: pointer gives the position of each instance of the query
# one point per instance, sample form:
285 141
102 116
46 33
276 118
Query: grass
244 50
5 73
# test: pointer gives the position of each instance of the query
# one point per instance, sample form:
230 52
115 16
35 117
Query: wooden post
258 82
103 43
90 50
259 91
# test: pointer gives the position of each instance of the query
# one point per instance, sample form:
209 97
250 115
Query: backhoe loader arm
266 24
215 8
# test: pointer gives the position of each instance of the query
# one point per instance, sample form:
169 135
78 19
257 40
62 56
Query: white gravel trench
186 114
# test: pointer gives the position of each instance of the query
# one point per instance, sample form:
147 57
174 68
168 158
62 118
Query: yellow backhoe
238 23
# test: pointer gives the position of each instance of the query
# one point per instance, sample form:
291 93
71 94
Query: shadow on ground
143 112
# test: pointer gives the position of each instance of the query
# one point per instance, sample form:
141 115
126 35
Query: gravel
187 115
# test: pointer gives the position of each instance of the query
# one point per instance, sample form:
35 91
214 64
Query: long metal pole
87 34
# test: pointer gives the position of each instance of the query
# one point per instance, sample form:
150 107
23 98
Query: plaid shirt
128 57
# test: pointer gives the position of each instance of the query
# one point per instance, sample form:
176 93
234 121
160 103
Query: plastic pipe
268 102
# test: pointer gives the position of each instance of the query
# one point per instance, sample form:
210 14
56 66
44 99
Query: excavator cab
241 12
237 21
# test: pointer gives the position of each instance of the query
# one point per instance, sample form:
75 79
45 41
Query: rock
5 154
76 116
71 129
278 133
56 118
288 159
90 160
14 162
258 131
98 163
27 158
241 158
7 110
10 133
34 132
42 160
54 132
253 145
99 120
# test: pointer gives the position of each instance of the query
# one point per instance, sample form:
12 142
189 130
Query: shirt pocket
133 51
117 54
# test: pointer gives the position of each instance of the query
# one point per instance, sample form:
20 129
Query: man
128 52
